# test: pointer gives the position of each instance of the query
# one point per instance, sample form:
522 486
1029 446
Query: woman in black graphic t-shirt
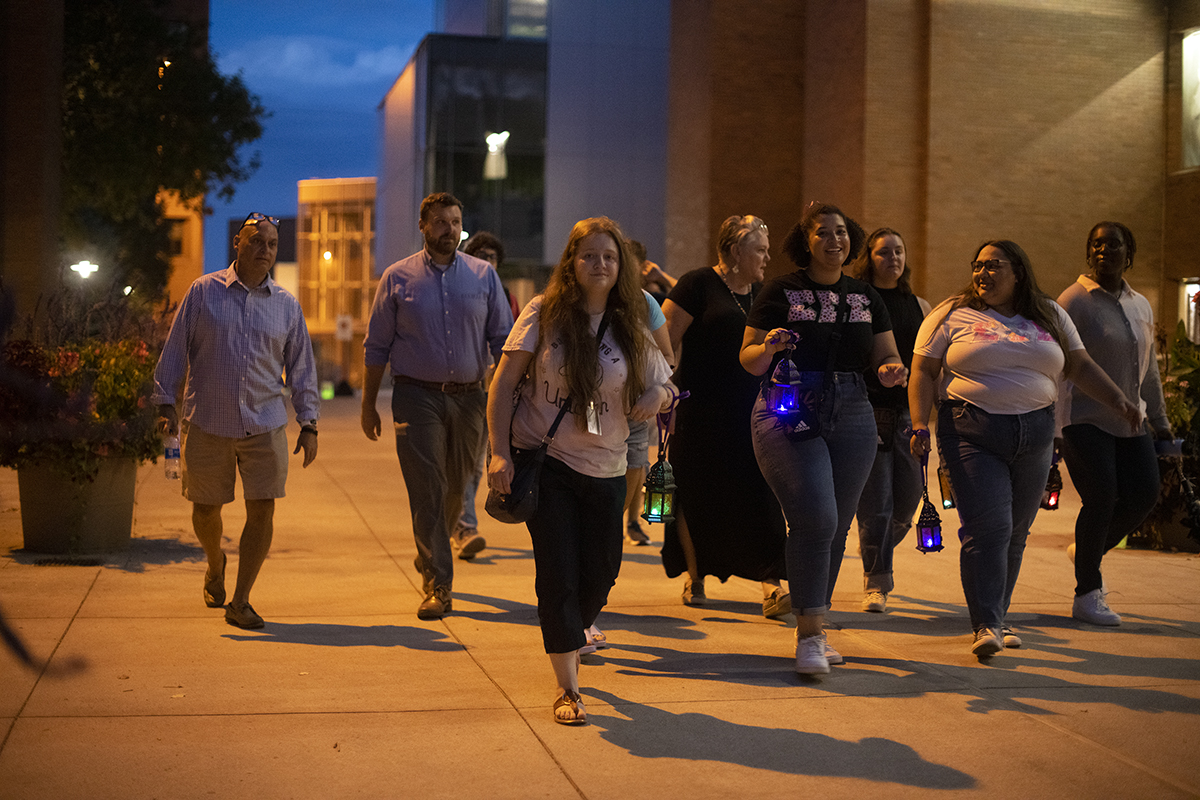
818 479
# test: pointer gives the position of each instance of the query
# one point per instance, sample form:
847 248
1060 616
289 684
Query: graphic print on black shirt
796 302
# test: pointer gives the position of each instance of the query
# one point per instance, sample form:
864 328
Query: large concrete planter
61 516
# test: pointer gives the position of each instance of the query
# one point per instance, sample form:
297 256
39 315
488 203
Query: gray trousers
437 436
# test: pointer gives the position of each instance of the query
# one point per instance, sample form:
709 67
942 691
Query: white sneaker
875 601
987 642
831 655
1093 608
1010 636
810 655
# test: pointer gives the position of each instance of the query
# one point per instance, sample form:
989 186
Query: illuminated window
1191 100
527 19
1189 311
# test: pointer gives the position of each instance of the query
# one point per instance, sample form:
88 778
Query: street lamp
85 268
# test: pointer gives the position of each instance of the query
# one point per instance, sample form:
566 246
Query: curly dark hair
795 246
563 312
1126 234
481 240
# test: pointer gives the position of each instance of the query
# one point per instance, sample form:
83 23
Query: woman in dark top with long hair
834 327
893 490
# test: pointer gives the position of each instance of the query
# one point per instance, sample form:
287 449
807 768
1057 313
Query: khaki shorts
209 463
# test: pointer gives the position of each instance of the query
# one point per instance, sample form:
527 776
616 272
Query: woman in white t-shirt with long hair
1000 347
576 530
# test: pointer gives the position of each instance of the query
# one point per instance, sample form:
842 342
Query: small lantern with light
947 490
783 392
1054 485
929 524
659 488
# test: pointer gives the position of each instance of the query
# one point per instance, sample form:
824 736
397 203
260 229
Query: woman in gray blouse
1116 474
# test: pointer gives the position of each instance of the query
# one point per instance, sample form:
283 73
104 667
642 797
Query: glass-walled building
468 116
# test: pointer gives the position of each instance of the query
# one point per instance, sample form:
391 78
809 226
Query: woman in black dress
727 521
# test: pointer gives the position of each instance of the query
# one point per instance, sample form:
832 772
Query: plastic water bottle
171 457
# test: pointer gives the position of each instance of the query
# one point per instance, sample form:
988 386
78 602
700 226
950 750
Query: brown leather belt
444 388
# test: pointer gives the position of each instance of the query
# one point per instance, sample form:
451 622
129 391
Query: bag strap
840 314
566 406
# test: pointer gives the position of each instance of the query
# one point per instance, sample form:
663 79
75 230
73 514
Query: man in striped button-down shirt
240 339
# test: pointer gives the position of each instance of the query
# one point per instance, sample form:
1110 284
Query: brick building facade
953 121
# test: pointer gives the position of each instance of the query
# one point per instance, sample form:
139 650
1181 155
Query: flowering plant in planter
75 387
1169 526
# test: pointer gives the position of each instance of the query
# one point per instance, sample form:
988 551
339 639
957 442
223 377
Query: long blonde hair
564 311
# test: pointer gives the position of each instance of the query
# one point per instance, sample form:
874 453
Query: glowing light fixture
495 163
85 268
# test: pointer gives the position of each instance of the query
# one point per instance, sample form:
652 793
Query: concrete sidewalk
346 693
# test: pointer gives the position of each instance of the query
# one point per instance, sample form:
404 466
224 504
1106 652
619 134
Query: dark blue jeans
577 536
1117 479
818 483
998 465
885 510
437 437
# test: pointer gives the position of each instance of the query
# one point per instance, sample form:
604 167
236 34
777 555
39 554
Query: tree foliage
134 124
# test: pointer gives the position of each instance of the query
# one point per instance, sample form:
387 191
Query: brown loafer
243 616
214 586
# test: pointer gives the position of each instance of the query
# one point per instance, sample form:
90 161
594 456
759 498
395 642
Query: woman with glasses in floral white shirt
1000 347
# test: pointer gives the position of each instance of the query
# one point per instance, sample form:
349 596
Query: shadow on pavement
650 732
328 635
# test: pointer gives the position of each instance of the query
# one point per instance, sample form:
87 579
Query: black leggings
577 541
1117 480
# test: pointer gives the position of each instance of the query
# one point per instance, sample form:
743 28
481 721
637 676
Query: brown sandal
572 699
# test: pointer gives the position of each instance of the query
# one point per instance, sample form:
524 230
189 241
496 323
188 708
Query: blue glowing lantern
929 524
783 393
929 528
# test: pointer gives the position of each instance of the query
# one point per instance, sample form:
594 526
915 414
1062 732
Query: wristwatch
310 426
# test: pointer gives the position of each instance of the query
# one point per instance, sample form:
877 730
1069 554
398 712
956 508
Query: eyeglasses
256 216
991 267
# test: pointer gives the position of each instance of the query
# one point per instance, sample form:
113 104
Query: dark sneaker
242 615
1010 636
466 543
635 534
987 642
437 604
693 592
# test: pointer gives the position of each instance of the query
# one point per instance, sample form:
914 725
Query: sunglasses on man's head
256 216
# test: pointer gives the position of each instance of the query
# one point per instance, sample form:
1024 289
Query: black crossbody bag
522 499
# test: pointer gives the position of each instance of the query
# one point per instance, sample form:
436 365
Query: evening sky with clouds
321 69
